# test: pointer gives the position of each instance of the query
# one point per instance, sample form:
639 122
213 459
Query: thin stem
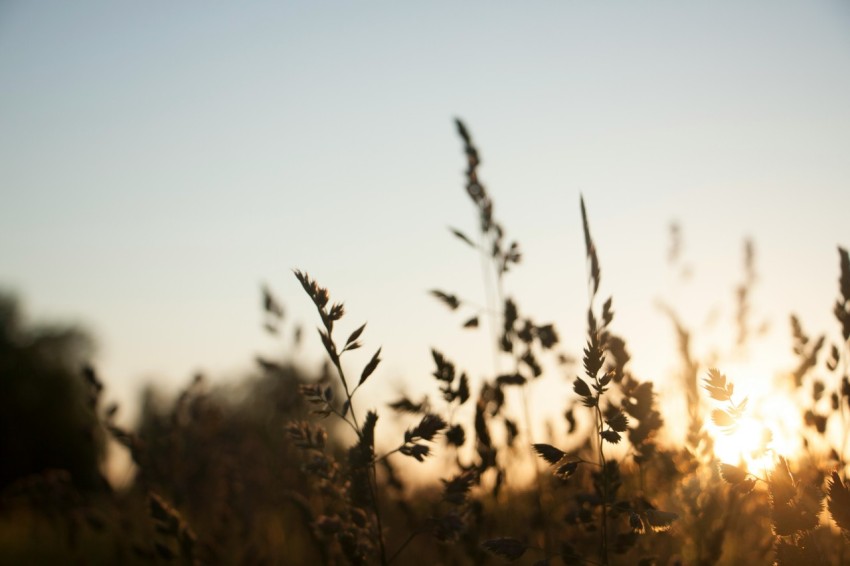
348 394
387 455
407 541
373 475
600 423
344 418
490 299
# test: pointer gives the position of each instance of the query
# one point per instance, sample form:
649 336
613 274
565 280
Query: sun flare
771 425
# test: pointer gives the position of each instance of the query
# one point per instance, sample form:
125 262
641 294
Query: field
264 471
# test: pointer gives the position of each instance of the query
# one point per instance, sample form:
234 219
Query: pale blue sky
159 160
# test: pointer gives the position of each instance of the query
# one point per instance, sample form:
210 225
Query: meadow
286 467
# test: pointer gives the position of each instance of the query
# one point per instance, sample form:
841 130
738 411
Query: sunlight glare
771 425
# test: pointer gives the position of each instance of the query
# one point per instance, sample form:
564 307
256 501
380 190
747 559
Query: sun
750 443
771 425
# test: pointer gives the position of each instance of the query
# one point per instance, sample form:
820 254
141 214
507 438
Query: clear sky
158 161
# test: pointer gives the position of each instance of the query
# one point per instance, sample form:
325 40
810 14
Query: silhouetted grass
261 473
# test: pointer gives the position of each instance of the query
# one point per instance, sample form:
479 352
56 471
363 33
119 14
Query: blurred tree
47 418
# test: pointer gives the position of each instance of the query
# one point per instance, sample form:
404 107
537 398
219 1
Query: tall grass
262 474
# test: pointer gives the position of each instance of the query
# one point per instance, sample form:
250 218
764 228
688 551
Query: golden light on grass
333 475
754 443
770 425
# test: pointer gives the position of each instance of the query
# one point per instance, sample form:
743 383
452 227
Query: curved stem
348 422
387 455
407 541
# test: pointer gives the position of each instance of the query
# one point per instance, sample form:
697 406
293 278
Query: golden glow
770 427
752 443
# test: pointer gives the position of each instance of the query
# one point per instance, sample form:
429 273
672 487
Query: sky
160 161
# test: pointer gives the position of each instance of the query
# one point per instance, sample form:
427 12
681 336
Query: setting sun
753 442
601 248
771 424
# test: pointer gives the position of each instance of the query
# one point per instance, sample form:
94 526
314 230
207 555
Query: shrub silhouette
46 417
